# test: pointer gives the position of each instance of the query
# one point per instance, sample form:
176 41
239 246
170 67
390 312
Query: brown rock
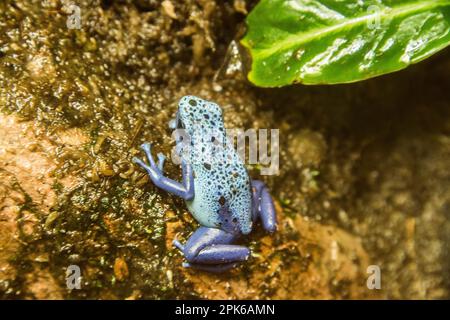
26 196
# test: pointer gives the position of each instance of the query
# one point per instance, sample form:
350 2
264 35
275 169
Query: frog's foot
184 190
263 207
209 249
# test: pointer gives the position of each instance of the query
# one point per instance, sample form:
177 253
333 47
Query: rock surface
364 170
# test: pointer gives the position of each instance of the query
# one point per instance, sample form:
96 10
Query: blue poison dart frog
216 187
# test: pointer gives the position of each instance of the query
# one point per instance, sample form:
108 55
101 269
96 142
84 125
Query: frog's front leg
210 249
263 206
184 190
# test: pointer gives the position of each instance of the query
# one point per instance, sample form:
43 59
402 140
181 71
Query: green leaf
339 41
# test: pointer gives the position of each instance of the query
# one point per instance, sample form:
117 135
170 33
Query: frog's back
222 185
222 196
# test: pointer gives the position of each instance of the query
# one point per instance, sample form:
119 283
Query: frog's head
198 116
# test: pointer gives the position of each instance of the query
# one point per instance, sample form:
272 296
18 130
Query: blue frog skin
215 185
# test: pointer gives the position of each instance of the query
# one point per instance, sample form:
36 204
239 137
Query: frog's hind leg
263 206
210 249
184 190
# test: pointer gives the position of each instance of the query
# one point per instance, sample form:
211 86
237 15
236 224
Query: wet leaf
328 41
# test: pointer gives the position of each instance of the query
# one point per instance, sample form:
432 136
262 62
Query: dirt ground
364 168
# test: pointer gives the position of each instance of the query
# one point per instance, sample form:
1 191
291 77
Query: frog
215 186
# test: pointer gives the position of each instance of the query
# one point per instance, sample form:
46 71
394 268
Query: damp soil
364 168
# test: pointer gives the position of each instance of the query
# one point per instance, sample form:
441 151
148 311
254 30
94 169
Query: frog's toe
140 162
147 147
178 244
161 159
